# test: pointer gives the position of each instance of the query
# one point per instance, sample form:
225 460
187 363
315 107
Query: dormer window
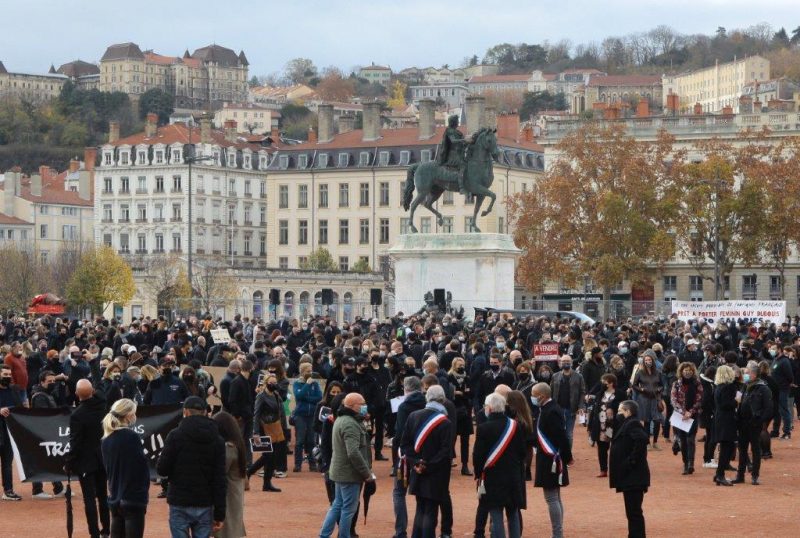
247 161
302 161
107 158
383 158
142 158
232 158
262 162
404 157
344 159
216 158
322 161
425 155
363 158
176 156
123 157
159 157
283 162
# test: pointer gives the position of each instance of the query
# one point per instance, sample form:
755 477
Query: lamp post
190 159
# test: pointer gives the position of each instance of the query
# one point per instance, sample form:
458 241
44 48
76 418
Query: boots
739 478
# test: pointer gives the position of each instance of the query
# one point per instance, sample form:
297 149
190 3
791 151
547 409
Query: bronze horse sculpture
431 179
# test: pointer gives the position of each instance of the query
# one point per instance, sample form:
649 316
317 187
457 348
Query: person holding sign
268 420
686 396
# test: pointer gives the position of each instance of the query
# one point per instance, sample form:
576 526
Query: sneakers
61 493
710 464
11 496
279 474
42 496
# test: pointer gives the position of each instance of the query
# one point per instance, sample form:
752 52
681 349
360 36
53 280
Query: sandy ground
675 506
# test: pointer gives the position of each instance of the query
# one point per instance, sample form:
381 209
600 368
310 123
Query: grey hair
412 384
752 365
495 402
434 393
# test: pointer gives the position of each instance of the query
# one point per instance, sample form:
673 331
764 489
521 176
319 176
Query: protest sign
545 352
756 312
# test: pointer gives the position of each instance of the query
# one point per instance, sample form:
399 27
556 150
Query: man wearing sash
553 454
426 448
415 401
499 461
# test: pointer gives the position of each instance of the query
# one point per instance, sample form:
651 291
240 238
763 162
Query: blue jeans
498 524
569 424
304 438
186 521
400 510
784 412
342 510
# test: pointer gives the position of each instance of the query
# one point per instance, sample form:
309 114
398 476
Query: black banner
40 438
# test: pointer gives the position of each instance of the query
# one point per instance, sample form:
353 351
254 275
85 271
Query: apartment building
204 79
715 87
48 212
29 87
376 73
249 117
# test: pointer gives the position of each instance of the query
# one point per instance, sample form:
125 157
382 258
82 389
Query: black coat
240 399
85 435
194 461
756 408
725 412
488 382
594 417
505 482
463 403
627 468
551 424
436 452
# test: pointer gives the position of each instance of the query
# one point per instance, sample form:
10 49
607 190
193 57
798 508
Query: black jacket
551 424
628 469
434 482
240 398
366 385
194 461
505 481
725 412
756 407
85 434
128 472
488 382
782 372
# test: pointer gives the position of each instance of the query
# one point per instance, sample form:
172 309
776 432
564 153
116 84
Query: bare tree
22 277
213 286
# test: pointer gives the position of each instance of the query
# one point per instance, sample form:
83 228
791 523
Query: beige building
204 79
49 212
249 117
28 87
617 89
376 73
715 87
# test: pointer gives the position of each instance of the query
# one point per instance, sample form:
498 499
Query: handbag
274 430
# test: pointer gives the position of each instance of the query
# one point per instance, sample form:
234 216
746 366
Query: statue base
477 269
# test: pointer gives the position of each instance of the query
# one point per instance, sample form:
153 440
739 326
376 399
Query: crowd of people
412 389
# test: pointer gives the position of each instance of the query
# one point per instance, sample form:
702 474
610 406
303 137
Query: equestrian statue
461 165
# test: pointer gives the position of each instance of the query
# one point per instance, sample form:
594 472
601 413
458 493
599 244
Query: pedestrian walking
686 397
629 473
725 430
755 411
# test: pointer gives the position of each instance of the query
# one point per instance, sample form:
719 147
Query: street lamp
189 160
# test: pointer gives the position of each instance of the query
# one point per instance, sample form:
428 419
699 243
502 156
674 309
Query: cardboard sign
220 336
755 312
545 352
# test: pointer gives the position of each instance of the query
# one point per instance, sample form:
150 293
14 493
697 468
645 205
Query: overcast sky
346 33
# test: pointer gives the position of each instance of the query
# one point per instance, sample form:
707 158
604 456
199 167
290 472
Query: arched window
318 303
288 304
304 304
258 304
333 309
348 307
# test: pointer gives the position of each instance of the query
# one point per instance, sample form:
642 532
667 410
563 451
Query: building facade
249 117
450 95
31 88
204 79
376 73
715 87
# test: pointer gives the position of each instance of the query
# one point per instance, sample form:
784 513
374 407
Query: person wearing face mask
686 397
43 396
414 401
607 397
569 393
496 375
462 399
268 419
111 385
10 397
754 412
307 394
629 472
784 378
167 389
383 377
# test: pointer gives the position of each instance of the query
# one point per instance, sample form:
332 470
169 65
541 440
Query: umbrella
369 491
68 500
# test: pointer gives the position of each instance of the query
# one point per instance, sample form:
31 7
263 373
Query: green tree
253 82
320 260
299 70
781 39
101 278
361 266
795 36
158 101
534 102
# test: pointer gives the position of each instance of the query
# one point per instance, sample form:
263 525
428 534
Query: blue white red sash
550 450
434 421
497 451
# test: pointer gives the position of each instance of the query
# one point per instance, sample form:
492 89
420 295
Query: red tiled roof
178 133
501 78
591 70
8 219
624 80
159 59
52 193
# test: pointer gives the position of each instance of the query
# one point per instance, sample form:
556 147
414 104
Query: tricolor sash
549 449
498 450
434 421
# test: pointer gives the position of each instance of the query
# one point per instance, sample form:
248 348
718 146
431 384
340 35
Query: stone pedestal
476 268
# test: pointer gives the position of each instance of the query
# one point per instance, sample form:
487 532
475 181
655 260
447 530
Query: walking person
601 420
628 469
268 420
193 459
43 396
784 378
568 390
235 472
648 389
553 455
707 417
85 458
127 470
725 400
10 397
753 414
307 394
499 459
351 464
426 445
686 397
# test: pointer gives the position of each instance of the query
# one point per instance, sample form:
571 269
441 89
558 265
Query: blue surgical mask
535 401
773 352
363 411
746 378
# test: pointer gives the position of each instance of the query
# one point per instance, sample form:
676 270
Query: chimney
36 184
698 109
312 135
12 190
489 117
508 126
74 165
527 133
672 103
151 125
757 106
346 124
324 123
89 158
427 119
642 108
205 129
727 110
113 131
275 134
475 109
230 130
44 172
372 122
